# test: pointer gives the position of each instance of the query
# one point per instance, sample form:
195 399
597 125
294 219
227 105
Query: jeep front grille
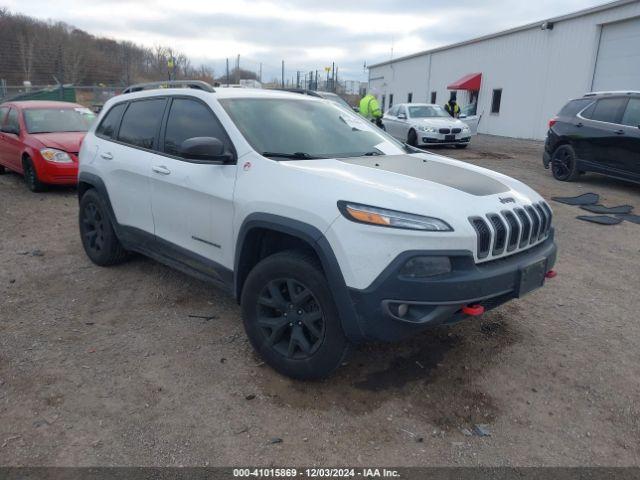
499 234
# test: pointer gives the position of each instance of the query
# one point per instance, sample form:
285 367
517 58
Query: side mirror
462 115
356 109
402 116
205 149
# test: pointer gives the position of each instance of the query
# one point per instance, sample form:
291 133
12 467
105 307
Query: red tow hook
551 274
473 310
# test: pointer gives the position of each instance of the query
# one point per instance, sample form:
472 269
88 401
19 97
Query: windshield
332 97
425 111
304 128
45 120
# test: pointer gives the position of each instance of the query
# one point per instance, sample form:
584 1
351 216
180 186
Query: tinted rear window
574 106
141 122
608 110
109 124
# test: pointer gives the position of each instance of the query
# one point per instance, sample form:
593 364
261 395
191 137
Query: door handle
620 132
106 156
161 169
580 124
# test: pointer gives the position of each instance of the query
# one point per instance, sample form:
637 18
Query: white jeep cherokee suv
327 230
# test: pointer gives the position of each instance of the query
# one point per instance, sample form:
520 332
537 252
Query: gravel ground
109 366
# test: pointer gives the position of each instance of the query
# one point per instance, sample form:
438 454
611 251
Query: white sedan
420 124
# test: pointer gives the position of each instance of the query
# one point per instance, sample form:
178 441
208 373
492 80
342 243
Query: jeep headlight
391 218
427 129
55 156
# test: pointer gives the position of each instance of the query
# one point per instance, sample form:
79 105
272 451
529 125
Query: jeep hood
415 183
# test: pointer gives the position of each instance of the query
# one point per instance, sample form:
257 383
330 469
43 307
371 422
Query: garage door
618 62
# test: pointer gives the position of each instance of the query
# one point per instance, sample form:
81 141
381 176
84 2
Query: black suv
599 132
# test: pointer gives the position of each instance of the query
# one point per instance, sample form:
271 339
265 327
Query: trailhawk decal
460 178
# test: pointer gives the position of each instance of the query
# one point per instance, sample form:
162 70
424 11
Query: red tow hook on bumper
551 274
473 310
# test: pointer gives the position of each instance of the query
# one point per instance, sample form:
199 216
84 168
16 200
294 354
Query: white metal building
523 76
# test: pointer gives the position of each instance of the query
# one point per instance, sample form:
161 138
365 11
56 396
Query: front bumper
57 173
436 300
441 139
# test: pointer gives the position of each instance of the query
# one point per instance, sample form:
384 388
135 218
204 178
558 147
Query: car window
3 113
425 111
393 111
188 119
631 115
141 121
608 110
109 125
12 119
46 120
402 110
574 106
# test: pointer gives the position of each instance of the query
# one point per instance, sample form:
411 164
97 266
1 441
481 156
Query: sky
307 35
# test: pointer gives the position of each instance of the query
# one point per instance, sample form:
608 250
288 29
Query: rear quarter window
608 110
574 106
109 125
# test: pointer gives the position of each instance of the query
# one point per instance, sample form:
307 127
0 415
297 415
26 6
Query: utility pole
316 84
260 77
227 72
282 73
333 76
238 69
335 81
298 79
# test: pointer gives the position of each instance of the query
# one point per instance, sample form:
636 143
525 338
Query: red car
41 140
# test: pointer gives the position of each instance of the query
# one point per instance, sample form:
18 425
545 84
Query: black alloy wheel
290 318
92 228
563 164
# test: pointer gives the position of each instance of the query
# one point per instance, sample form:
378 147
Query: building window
433 97
409 97
390 100
495 101
383 100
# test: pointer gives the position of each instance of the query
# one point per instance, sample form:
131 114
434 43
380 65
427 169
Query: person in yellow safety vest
452 106
370 109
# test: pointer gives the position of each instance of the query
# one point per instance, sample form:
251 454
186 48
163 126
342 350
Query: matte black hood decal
460 178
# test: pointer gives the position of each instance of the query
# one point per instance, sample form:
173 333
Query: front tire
31 176
96 231
291 318
412 138
564 164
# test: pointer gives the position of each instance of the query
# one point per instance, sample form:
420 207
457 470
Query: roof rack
197 84
612 92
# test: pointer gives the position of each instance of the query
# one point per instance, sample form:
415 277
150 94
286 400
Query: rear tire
291 318
31 176
564 164
412 138
96 231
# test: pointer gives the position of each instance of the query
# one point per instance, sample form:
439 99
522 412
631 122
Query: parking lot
141 365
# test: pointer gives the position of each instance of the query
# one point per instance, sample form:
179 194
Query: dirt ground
108 366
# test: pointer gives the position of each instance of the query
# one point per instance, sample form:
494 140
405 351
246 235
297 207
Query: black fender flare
315 239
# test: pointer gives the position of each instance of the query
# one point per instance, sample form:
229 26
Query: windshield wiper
291 156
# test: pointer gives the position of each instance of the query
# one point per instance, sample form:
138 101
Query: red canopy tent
470 81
